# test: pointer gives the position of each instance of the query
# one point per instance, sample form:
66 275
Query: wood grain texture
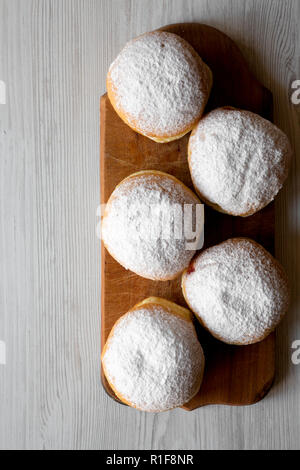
54 56
233 375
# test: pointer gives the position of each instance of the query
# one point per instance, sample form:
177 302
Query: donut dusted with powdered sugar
147 222
152 359
237 290
238 160
159 86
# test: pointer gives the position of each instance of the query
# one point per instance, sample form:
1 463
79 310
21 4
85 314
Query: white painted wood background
54 55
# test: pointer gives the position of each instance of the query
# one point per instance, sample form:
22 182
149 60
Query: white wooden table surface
54 55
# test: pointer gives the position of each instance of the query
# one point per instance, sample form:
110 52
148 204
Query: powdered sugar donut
238 291
152 359
146 225
238 160
159 86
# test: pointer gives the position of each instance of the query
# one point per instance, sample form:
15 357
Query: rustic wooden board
234 375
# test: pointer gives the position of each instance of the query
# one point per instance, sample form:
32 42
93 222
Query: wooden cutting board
235 375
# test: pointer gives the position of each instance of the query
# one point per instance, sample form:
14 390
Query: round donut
237 290
238 160
146 221
152 359
159 86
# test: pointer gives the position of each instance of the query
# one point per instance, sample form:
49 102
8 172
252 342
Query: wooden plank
234 375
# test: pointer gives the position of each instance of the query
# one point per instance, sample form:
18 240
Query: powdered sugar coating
160 83
238 291
153 359
238 160
136 214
